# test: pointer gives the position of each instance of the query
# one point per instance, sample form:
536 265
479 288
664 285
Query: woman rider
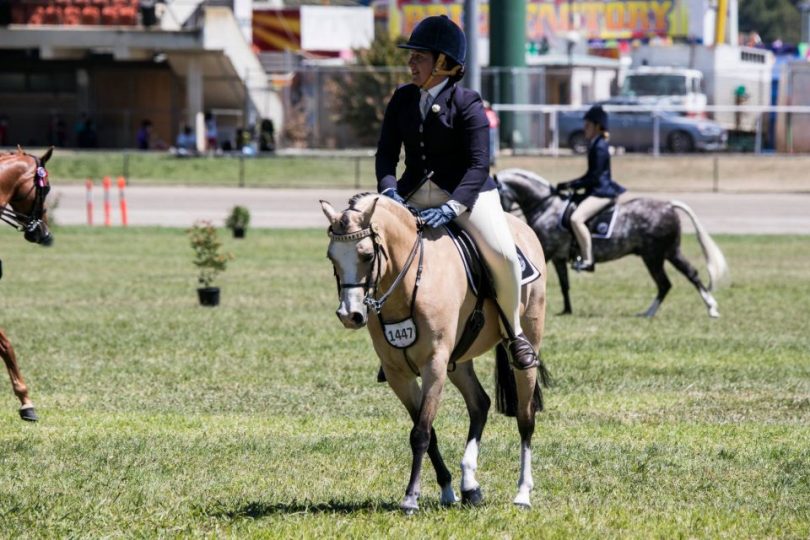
446 136
600 189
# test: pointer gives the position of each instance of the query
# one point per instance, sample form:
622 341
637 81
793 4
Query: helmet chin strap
440 71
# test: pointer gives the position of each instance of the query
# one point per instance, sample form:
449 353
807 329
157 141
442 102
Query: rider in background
446 136
600 189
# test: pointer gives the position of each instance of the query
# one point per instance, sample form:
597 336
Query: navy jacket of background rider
597 181
452 141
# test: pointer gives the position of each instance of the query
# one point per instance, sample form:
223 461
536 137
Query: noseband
372 282
29 223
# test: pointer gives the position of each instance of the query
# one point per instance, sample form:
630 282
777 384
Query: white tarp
336 28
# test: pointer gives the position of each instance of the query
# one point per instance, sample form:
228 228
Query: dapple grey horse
645 227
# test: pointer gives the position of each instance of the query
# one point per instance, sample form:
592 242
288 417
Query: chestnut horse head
23 188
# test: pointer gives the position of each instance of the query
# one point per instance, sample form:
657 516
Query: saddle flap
474 267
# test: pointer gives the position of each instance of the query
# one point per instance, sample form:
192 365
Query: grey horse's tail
715 260
506 399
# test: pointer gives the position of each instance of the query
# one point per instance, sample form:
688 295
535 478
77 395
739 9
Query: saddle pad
472 260
600 225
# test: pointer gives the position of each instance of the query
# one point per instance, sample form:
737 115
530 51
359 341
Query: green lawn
261 417
639 172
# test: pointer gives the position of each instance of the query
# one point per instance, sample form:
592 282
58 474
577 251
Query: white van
667 85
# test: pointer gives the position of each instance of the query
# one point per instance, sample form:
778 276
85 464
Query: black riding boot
522 353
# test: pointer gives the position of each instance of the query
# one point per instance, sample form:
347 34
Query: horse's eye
366 257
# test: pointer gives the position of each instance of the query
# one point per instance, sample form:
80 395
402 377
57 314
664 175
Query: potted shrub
208 259
238 221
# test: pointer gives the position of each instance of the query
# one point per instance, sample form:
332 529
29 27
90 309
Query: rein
371 284
23 222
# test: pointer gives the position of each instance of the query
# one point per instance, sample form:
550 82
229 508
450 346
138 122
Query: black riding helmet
597 115
441 35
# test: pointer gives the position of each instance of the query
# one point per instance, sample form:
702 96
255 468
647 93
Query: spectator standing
494 124
144 135
210 132
267 136
88 138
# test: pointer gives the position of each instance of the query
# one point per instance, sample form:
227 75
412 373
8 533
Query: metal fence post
241 170
357 172
716 173
656 134
125 172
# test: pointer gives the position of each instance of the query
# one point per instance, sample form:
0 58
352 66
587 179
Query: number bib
401 334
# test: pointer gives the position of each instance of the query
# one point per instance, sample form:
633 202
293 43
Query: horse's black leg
528 401
655 265
443 476
478 404
422 436
27 411
685 267
562 273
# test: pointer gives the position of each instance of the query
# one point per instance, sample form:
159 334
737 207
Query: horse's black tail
506 399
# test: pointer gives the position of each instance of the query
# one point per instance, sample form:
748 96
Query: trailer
731 75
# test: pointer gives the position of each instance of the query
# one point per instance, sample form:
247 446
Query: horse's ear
331 214
20 150
46 156
370 212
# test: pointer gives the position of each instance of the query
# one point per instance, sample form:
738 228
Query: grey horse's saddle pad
600 225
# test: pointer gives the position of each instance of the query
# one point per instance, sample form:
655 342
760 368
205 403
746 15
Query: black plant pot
209 296
239 232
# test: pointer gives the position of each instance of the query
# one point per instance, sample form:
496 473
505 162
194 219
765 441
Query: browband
350 237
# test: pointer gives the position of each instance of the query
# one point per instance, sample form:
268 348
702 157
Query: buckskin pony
23 189
416 282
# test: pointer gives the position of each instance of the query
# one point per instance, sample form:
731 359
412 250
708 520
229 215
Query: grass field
640 172
261 418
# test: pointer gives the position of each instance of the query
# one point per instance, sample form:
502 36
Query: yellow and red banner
609 19
277 29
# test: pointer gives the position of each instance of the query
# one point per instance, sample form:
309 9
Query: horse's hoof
472 497
523 501
28 413
448 497
409 505
713 313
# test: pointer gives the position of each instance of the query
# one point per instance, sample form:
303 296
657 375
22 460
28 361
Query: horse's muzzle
352 319
37 232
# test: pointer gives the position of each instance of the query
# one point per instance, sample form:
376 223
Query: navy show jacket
452 142
598 181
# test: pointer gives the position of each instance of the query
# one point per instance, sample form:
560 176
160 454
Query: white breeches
487 224
589 207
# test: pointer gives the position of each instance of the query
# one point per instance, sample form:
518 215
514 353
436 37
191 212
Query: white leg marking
526 483
469 464
409 504
711 303
27 406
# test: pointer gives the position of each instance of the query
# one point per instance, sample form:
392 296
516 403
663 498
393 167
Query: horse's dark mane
355 198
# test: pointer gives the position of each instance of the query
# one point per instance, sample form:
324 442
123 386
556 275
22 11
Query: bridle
30 223
372 281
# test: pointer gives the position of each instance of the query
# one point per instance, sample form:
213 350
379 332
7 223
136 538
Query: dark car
634 130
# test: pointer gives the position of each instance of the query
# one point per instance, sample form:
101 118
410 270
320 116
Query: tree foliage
364 93
771 19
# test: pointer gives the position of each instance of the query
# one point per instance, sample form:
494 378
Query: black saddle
480 282
600 225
